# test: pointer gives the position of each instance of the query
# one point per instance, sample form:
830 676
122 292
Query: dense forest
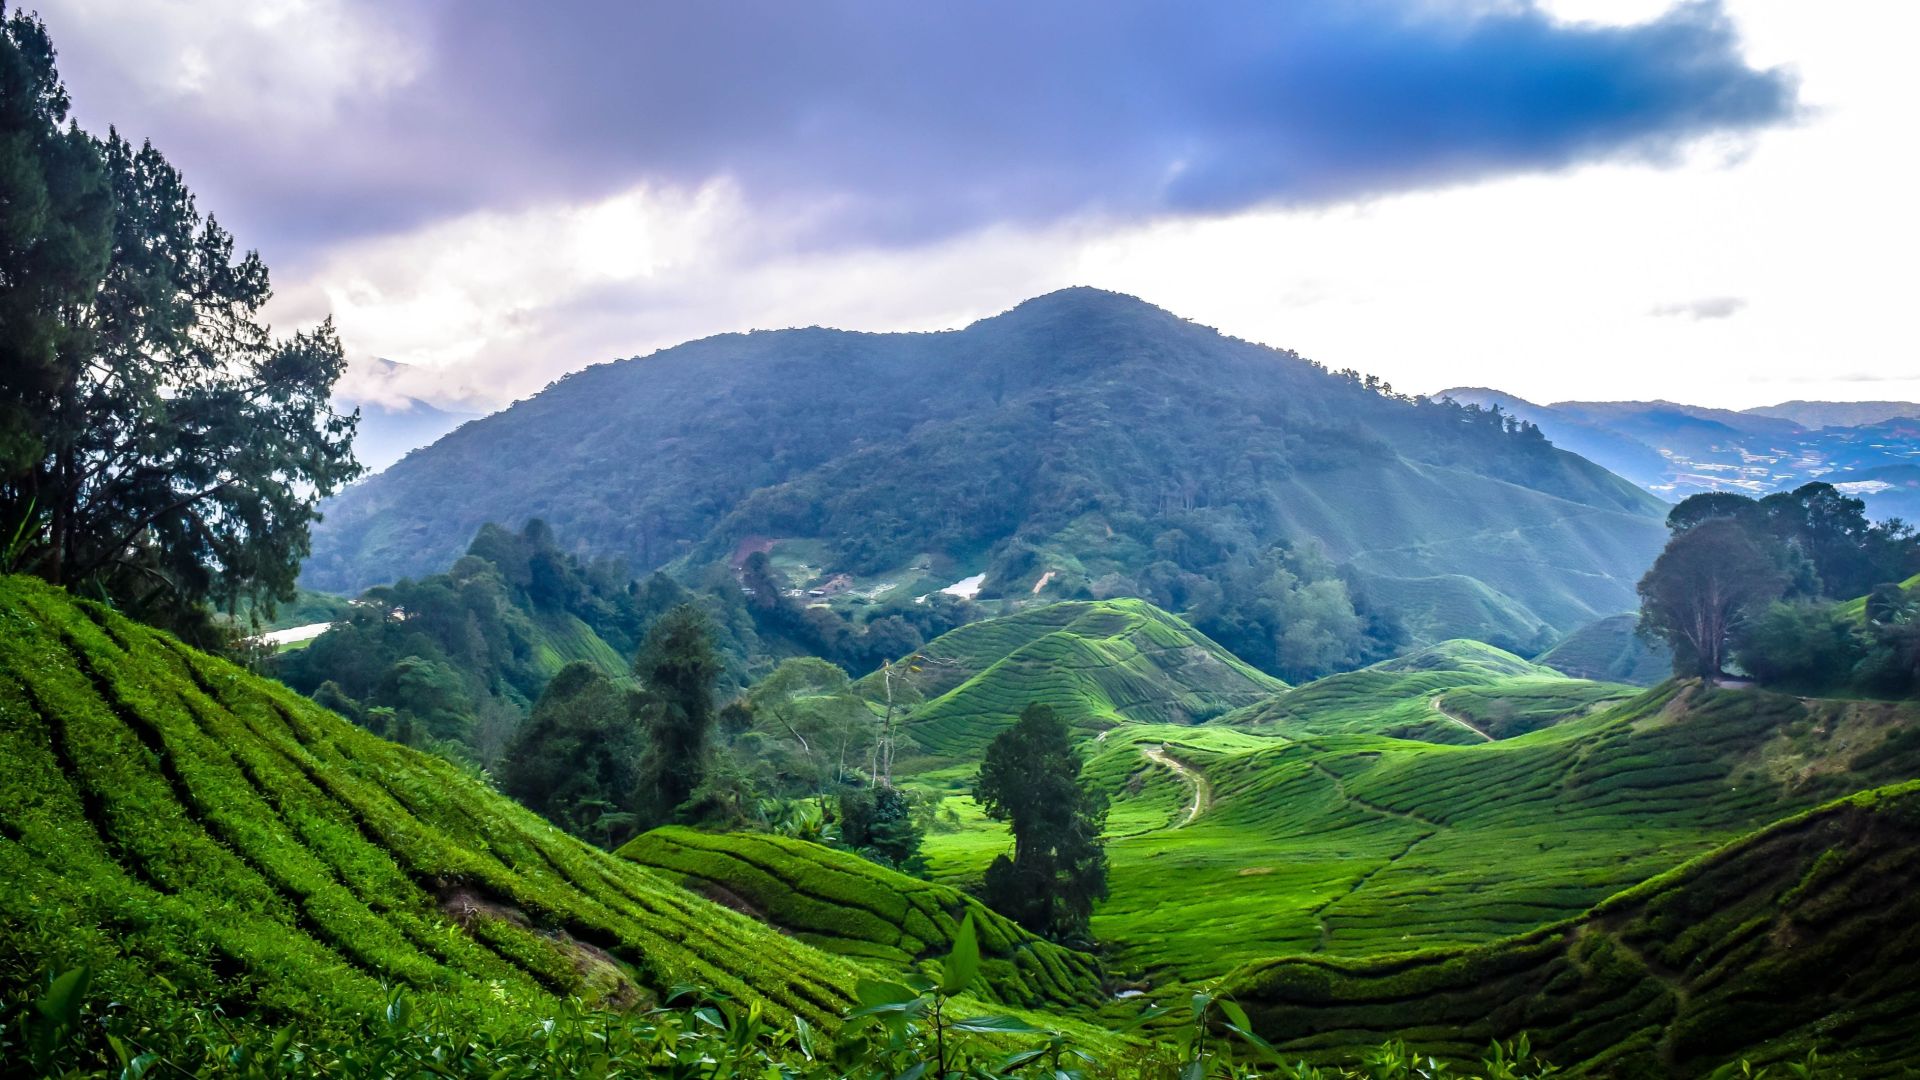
1083 438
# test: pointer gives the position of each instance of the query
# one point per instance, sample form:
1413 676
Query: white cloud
286 65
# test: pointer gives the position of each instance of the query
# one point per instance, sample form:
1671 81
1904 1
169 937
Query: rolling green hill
1098 663
1076 433
1804 935
844 904
165 815
1459 692
1608 649
1230 846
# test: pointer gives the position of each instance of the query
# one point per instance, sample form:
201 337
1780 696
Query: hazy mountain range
1869 449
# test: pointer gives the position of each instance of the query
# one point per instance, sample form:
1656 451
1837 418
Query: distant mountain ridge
1083 434
1868 449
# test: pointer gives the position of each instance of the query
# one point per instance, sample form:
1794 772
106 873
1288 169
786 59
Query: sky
1709 202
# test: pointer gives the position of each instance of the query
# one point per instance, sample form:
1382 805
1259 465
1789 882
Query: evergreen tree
1031 779
678 667
576 760
157 445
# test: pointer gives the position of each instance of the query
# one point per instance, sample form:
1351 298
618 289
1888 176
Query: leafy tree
1809 645
1709 579
162 447
678 667
1031 780
576 760
814 729
879 824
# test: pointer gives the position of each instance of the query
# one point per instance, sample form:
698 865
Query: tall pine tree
1031 779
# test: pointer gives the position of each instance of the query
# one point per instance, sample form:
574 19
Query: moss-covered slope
1805 935
847 905
1098 663
166 815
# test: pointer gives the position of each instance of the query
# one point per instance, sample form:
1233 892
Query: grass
1099 663
844 904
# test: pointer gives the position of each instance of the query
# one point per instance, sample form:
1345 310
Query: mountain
167 816
1083 443
392 424
1870 449
1820 414
1098 664
1799 937
1610 650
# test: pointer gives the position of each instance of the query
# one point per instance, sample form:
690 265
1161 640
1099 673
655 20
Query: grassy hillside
166 815
1354 844
1078 432
1608 649
844 904
1098 663
1459 692
1805 935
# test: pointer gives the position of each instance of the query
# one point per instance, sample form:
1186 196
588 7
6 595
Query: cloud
1710 307
305 122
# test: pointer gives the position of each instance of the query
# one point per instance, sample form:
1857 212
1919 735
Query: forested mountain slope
1125 450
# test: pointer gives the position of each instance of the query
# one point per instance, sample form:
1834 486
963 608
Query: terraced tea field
1319 837
844 904
1802 935
166 814
1098 664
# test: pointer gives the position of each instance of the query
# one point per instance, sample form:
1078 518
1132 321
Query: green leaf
1235 1015
61 1003
1014 1061
914 1073
997 1023
803 1035
138 1067
963 963
1255 1041
1200 1002
878 992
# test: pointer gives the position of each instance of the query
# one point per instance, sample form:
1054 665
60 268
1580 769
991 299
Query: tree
814 727
878 824
160 446
1709 579
576 760
677 666
1031 779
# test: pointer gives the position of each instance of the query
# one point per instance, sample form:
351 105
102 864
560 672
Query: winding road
1435 702
1202 790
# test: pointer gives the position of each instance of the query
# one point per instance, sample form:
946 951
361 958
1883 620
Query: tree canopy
1031 779
158 446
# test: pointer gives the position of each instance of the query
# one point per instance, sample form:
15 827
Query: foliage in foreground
905 1031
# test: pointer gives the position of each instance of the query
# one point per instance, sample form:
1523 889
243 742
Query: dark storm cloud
898 122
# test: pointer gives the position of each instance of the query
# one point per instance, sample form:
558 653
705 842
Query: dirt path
1435 702
1202 790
